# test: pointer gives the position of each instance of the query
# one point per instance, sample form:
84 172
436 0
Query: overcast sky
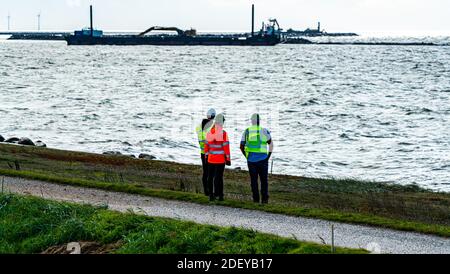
389 16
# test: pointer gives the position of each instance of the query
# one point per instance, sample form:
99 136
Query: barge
290 33
269 35
48 36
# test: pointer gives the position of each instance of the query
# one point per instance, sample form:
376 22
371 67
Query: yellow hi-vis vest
201 135
255 142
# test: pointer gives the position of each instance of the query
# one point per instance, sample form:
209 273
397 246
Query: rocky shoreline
143 156
24 141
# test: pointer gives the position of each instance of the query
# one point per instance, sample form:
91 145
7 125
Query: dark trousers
261 170
215 179
205 175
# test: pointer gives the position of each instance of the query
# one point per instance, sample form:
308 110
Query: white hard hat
211 113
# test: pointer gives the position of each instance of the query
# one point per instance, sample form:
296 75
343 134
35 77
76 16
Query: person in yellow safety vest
202 130
257 147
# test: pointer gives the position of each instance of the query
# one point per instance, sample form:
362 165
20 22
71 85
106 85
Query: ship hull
123 40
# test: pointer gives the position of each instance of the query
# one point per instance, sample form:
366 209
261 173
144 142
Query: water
436 40
377 113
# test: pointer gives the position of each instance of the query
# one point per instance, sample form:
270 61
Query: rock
13 140
26 142
118 153
40 144
2 139
146 156
113 153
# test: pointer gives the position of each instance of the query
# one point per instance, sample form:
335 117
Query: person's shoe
265 202
212 198
220 199
256 201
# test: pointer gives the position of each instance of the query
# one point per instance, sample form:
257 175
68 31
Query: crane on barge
191 32
269 36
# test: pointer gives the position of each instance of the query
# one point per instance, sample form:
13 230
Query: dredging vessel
290 33
269 35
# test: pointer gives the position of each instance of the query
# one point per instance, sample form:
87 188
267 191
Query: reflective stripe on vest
219 152
215 146
219 146
255 141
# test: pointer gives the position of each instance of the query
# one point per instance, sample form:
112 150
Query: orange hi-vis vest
217 146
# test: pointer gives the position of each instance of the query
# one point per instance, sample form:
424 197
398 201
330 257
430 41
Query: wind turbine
39 21
9 21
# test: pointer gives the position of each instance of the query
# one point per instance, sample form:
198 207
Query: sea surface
441 40
377 113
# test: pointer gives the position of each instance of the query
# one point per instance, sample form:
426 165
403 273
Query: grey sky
394 16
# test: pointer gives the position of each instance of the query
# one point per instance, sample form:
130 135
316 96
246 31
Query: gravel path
354 236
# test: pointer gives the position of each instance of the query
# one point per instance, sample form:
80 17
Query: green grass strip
331 215
44 224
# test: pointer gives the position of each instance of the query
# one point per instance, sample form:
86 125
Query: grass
408 208
44 224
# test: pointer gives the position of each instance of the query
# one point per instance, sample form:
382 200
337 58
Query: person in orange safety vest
217 152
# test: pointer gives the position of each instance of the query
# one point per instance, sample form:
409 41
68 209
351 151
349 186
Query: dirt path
353 236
